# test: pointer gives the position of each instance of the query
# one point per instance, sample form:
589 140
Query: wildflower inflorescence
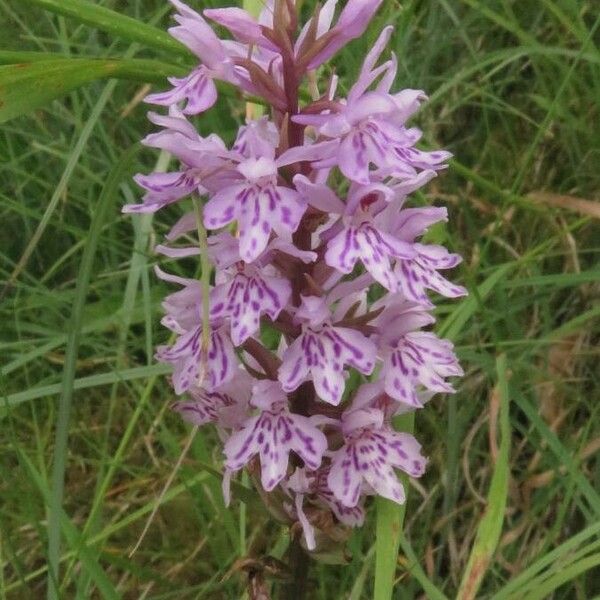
314 243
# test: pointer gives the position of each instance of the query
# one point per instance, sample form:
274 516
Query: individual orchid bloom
418 358
371 452
322 350
182 308
245 297
363 240
163 189
367 135
413 360
197 90
273 434
226 406
258 203
370 129
195 366
360 235
420 273
201 158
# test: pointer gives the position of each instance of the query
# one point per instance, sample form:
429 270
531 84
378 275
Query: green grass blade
563 456
122 524
12 57
460 316
115 24
390 519
91 381
415 569
26 87
490 527
562 576
64 406
73 537
62 185
357 591
565 554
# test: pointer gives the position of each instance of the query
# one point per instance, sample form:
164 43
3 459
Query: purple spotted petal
416 276
322 354
245 298
368 459
164 189
258 209
273 434
419 359
352 516
197 90
373 247
188 362
226 406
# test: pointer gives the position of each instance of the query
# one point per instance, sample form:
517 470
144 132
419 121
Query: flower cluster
315 242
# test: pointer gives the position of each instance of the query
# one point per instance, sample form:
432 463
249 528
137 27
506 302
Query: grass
514 90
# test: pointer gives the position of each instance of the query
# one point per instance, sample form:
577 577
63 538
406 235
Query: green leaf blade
115 24
25 87
490 526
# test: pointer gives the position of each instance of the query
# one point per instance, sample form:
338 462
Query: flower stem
390 521
298 562
206 267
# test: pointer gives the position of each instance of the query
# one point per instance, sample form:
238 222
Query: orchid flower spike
316 328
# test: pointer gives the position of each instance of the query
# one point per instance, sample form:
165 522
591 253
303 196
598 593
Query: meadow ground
514 92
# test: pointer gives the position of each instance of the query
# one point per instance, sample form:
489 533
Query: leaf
415 569
114 23
64 406
11 57
563 455
90 381
390 519
490 526
460 316
27 86
562 576
567 554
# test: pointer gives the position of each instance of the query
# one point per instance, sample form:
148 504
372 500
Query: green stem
298 563
205 276
390 520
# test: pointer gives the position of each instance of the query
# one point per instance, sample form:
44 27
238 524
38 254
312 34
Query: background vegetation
514 88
